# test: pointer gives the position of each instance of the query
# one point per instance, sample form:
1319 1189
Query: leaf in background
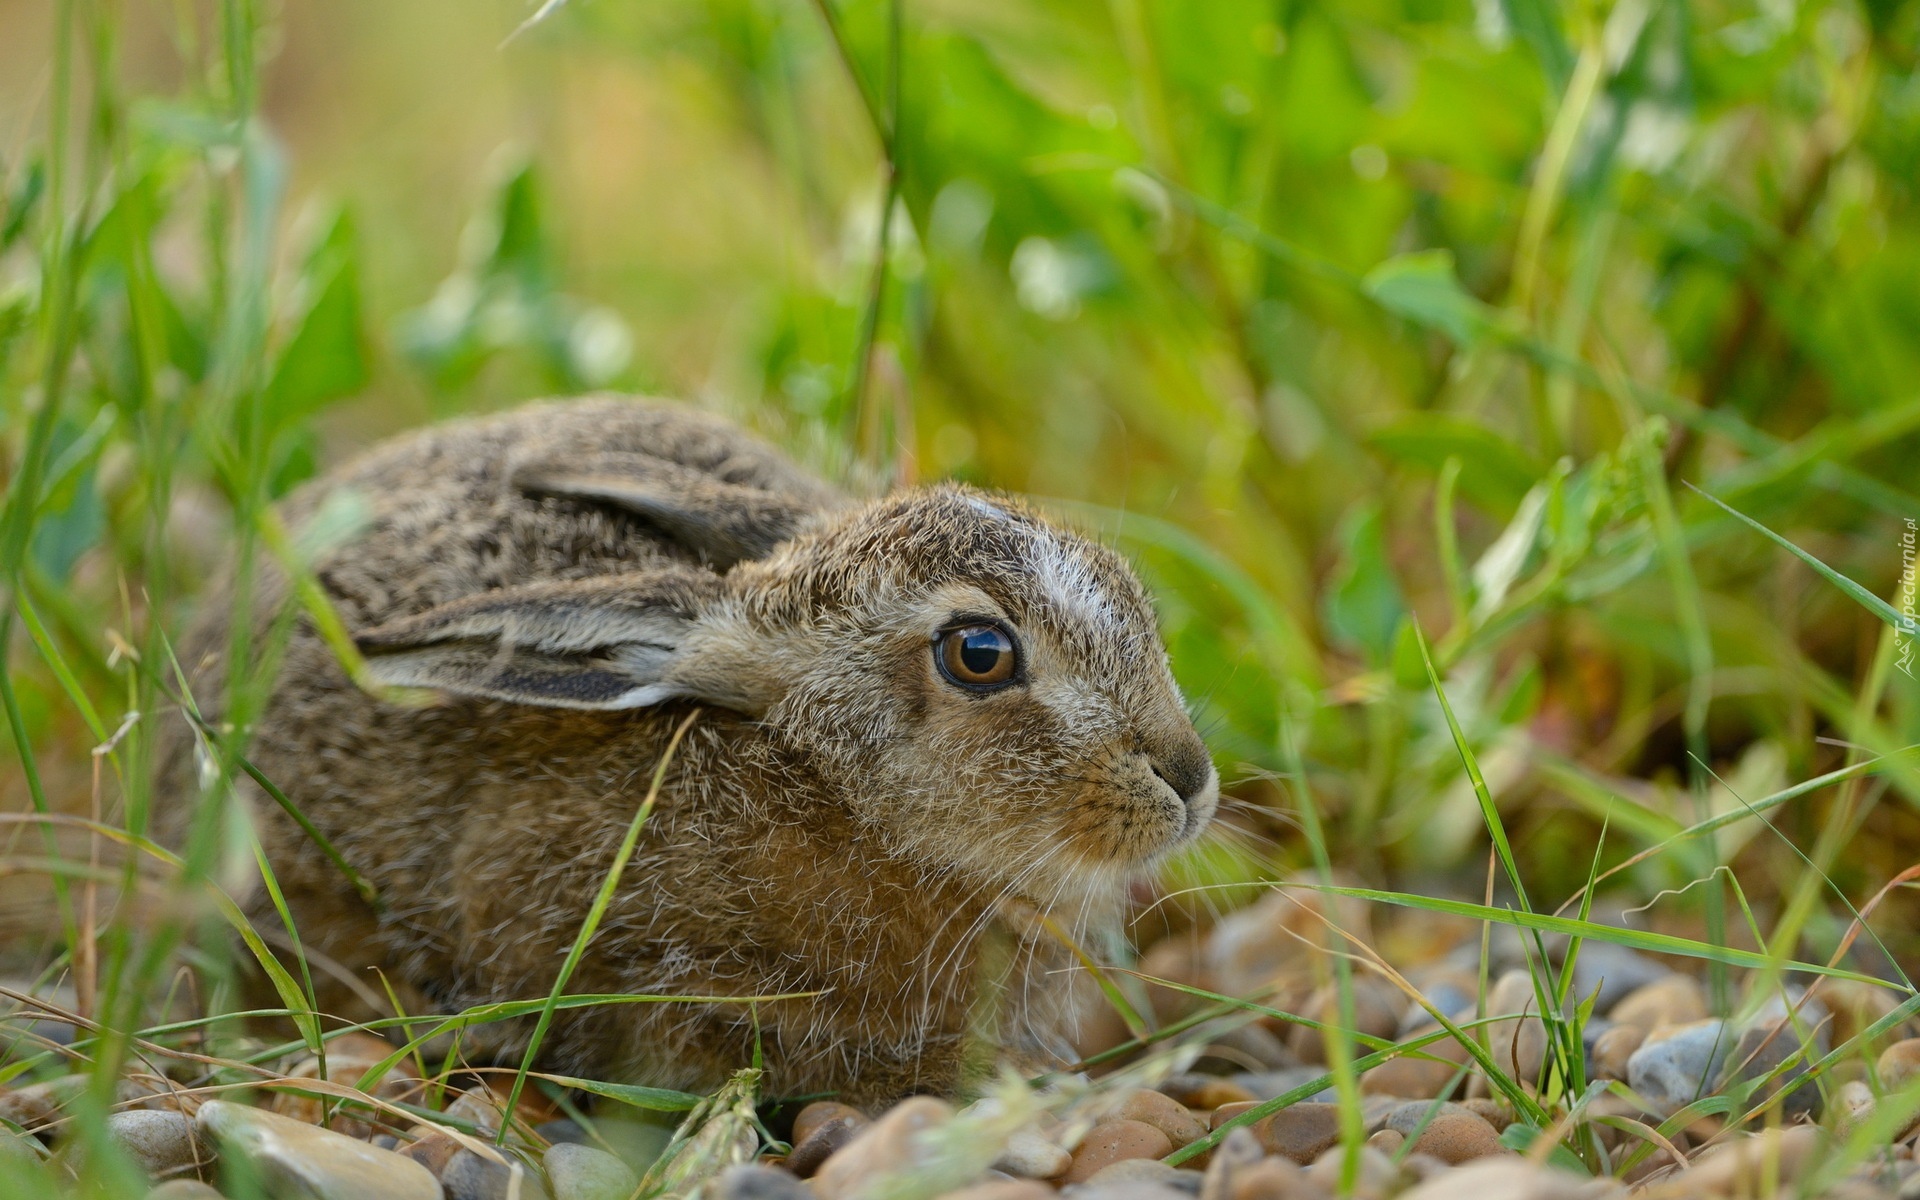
18 203
1363 605
1423 288
325 357
1494 472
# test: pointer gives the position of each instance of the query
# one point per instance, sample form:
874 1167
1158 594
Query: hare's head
985 689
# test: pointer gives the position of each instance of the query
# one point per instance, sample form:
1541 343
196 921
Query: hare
933 736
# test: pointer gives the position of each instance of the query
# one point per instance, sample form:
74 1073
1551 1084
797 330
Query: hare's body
579 579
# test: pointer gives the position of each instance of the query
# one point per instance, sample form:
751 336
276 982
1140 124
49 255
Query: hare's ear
620 641
724 523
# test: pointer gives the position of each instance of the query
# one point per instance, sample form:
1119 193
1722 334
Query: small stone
1031 1156
1674 1000
1415 1077
1856 1006
292 1158
1227 1112
433 1149
1673 1066
814 1115
583 1173
1178 959
1301 1132
1762 1049
1519 1046
1512 1179
1112 1141
479 1107
184 1189
1615 972
755 1182
1854 1101
162 1143
1265 1085
1376 1013
1740 1167
1239 1149
1614 1048
1162 1112
1134 1170
564 1130
1215 1093
882 1148
468 1176
1387 1141
1246 1048
1272 1179
822 1141
997 1189
1377 1175
1899 1064
1457 1137
38 1105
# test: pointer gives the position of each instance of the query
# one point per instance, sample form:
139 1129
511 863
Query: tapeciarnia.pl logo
1903 644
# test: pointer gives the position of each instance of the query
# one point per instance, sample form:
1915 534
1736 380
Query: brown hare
935 733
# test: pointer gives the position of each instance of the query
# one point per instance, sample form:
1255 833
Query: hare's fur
576 579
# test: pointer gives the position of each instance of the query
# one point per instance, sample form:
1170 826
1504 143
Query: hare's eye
978 657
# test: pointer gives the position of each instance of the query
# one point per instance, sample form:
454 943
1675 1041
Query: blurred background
1342 320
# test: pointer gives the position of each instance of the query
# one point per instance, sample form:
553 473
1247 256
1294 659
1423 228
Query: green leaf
1423 288
325 357
652 1099
1867 600
1494 473
1363 603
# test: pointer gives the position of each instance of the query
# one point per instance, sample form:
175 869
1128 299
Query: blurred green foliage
1338 318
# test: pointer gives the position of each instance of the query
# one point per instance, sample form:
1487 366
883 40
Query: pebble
1739 1167
1245 1048
1674 1000
479 1107
1518 1046
882 1148
1899 1064
1376 1012
162 1143
291 1158
1413 1077
584 1173
1112 1141
1377 1175
564 1130
1614 1048
1215 1093
755 1182
814 1115
38 1105
823 1140
184 1189
1272 1179
467 1176
1301 1132
1766 1046
1136 1170
1675 1063
1387 1141
1457 1137
433 1149
1162 1112
1511 1179
1031 1156
1615 971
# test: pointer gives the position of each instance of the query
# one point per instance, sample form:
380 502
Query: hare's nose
1186 768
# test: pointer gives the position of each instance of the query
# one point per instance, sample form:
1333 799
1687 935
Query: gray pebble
467 1176
160 1142
292 1159
753 1182
1676 1064
584 1173
563 1130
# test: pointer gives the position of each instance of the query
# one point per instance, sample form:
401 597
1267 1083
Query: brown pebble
1162 1112
1301 1132
1269 1179
1112 1141
1413 1077
814 1115
1457 1137
1227 1112
1612 1049
1004 1189
1675 1000
1899 1064
819 1144
1212 1095
890 1145
1376 1012
1489 1110
1387 1141
433 1150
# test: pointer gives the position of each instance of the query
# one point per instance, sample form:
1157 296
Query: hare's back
442 514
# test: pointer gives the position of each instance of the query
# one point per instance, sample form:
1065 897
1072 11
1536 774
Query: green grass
1511 405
